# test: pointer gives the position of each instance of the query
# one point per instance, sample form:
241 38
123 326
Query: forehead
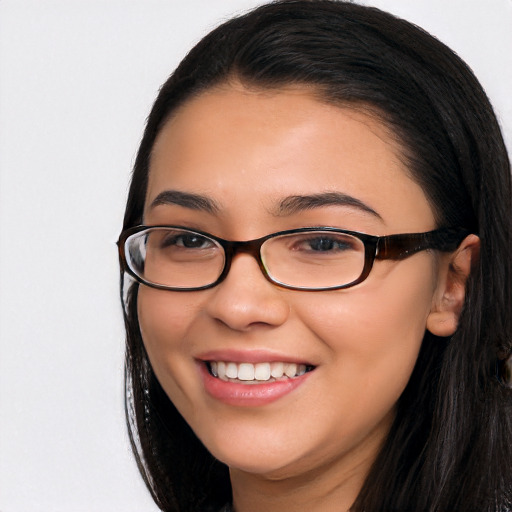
249 149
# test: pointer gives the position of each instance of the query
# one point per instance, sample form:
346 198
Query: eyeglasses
318 258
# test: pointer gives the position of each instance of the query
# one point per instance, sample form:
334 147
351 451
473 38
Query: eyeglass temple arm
396 247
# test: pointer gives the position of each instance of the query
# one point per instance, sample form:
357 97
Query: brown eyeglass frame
390 247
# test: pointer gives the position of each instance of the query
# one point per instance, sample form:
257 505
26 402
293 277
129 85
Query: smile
249 373
252 384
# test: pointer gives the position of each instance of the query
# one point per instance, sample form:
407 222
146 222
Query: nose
245 299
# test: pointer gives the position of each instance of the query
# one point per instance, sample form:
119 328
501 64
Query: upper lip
251 356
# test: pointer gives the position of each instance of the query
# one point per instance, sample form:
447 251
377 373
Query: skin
247 150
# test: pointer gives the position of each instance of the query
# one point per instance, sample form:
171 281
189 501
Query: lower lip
248 395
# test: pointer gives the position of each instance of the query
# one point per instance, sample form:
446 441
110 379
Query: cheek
165 319
374 332
162 318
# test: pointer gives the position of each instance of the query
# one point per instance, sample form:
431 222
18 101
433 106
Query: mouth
258 373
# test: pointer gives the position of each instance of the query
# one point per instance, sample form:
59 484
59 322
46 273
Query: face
246 152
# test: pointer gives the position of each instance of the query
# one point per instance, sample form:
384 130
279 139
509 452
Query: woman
319 232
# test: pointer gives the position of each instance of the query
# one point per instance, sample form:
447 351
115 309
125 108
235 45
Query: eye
325 243
186 241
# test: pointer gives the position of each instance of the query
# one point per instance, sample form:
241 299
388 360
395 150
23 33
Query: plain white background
77 79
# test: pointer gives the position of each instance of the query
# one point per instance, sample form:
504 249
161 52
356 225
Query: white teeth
262 371
231 371
259 372
221 370
290 369
245 371
277 370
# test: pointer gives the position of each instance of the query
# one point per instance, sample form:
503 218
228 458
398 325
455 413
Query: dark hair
450 447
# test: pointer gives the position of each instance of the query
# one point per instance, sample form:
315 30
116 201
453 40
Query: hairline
317 92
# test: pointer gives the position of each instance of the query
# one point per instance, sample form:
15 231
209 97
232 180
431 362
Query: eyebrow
187 200
295 204
287 206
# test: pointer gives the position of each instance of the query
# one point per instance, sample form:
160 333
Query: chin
265 458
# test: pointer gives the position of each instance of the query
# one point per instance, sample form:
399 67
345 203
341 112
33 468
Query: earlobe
450 293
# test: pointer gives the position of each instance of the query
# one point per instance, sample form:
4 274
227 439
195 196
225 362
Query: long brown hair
450 448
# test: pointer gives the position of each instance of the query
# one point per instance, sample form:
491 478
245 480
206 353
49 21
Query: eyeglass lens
179 258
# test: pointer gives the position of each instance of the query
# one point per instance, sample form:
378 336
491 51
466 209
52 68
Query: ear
448 300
